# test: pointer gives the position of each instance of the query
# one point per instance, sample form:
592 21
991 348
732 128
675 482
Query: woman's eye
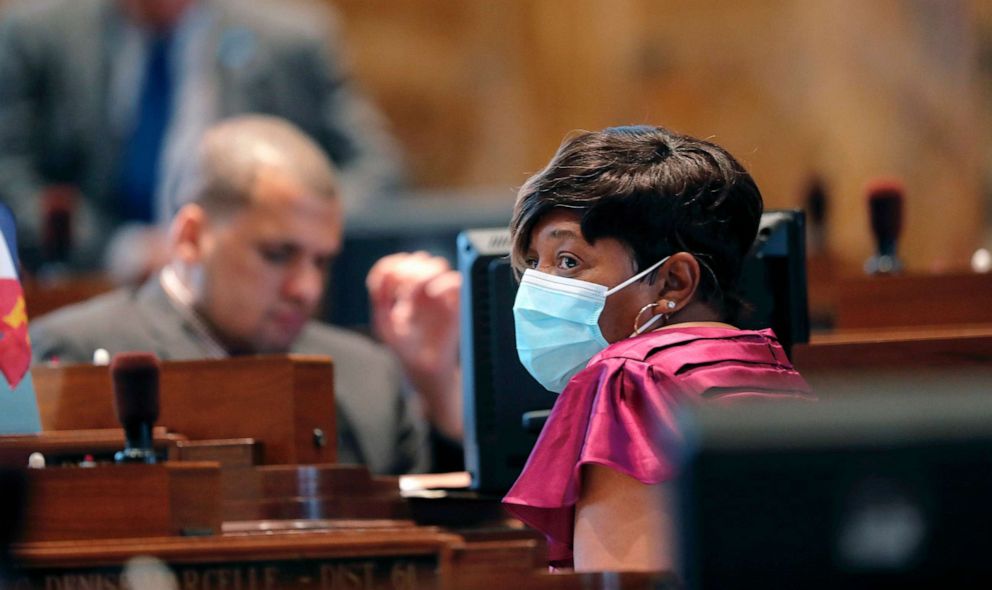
566 262
531 262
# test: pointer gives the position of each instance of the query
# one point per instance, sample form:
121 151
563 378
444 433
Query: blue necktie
142 152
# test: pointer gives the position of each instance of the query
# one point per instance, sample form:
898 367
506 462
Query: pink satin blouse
620 412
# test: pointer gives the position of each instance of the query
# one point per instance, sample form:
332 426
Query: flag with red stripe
15 345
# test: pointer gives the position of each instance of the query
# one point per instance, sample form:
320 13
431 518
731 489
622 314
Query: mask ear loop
640 330
637 277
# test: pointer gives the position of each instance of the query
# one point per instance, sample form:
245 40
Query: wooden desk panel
367 559
243 490
913 300
898 361
59 446
402 558
293 492
900 348
281 401
118 501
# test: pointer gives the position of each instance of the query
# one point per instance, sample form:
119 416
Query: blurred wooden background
481 93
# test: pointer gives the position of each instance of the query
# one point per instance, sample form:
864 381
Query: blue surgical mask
557 324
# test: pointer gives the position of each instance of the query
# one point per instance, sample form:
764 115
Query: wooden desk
359 537
287 526
950 299
402 558
898 361
80 544
369 559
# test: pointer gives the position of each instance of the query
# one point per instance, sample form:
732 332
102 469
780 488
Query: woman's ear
186 234
679 279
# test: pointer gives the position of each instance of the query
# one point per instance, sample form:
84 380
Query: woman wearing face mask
630 243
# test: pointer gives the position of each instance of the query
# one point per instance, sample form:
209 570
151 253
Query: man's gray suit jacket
377 425
266 57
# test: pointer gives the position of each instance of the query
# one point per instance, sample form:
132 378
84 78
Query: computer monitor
861 491
497 390
773 278
500 395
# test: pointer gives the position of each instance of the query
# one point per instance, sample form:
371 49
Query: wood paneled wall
482 92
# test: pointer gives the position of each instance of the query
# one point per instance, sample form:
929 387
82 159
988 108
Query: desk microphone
58 205
135 377
816 208
885 206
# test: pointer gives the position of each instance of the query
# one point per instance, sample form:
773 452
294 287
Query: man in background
102 101
248 258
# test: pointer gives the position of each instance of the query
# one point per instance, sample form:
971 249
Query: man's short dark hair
233 151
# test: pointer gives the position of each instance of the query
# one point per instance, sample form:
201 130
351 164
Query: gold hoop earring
637 318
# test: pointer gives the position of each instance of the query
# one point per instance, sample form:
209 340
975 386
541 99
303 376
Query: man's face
264 267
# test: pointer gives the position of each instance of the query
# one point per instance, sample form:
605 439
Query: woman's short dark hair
657 192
